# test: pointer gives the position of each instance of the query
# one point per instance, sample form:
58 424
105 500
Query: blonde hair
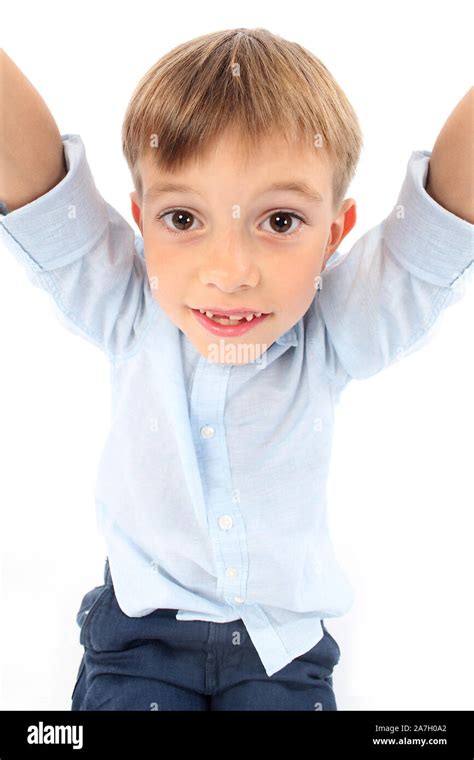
250 79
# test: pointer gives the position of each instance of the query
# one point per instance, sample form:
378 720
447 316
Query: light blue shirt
211 490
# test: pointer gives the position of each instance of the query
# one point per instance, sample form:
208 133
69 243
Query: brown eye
282 223
181 220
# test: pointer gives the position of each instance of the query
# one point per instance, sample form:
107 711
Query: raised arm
383 298
31 150
451 172
71 243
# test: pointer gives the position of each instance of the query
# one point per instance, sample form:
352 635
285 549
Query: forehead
231 162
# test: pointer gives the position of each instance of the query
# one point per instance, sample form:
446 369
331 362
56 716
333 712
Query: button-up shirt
211 489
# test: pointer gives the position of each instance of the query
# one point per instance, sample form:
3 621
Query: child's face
236 245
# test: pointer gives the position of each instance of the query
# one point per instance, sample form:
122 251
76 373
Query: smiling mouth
231 327
230 320
233 318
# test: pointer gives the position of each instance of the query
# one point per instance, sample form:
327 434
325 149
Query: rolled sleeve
427 239
384 298
85 255
61 225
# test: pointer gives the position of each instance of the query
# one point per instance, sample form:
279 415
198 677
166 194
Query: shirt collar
289 338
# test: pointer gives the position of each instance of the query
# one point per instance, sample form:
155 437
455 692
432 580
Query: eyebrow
299 187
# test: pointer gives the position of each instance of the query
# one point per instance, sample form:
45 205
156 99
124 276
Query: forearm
31 150
451 171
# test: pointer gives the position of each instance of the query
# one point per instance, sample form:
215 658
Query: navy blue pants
156 662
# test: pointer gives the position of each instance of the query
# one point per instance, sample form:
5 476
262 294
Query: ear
136 211
340 227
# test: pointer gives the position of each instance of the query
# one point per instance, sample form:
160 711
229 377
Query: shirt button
238 599
225 522
231 572
207 431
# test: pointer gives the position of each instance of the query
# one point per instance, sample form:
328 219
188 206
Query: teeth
225 320
230 320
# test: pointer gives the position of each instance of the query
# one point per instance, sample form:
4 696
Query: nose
230 266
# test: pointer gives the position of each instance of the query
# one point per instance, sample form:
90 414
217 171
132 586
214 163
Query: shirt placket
222 496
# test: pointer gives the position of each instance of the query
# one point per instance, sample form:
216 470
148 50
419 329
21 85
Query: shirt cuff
427 239
64 223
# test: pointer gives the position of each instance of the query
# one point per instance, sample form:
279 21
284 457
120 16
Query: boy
211 490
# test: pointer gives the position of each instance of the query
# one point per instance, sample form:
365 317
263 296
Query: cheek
296 277
163 263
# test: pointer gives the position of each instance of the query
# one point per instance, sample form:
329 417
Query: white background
400 494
